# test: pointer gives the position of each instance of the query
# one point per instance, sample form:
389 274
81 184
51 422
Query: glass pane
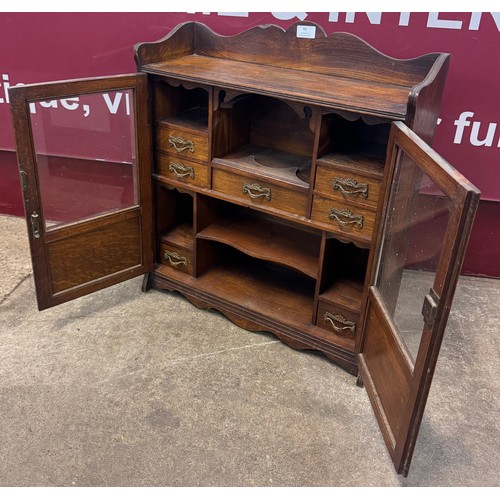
418 215
85 153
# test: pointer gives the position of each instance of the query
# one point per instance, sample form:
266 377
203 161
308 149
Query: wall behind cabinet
38 47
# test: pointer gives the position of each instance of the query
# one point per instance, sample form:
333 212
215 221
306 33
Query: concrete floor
123 388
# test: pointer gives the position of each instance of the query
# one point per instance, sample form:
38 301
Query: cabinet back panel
276 125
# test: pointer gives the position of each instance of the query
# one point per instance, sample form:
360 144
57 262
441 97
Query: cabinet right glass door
422 234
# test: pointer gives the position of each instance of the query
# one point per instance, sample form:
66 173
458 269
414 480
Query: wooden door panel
95 253
386 363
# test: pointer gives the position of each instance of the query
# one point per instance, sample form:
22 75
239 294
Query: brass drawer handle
180 170
350 187
256 191
180 144
340 214
347 325
175 259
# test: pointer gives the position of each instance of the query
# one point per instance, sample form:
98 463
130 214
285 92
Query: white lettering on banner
113 106
71 103
435 20
286 16
463 121
6 86
48 104
373 17
231 14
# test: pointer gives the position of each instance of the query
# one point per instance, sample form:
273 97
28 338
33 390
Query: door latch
429 309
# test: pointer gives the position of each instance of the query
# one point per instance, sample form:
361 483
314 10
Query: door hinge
24 180
429 309
35 225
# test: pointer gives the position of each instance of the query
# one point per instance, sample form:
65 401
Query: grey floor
123 388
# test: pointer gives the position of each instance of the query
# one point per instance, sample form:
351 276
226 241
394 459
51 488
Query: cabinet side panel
179 42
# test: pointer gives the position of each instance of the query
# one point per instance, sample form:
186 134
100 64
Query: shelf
270 163
195 119
256 287
180 235
344 292
268 240
373 98
370 164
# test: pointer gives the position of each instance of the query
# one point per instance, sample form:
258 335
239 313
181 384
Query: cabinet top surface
337 71
331 91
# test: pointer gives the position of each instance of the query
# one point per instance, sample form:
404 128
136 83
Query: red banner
40 47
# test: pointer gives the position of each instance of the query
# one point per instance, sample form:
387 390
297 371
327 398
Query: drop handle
344 217
347 326
181 170
180 144
175 259
350 187
257 191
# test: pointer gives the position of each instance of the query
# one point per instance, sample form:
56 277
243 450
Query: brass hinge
24 180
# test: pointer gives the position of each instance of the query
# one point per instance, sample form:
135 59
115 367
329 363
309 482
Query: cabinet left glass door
84 155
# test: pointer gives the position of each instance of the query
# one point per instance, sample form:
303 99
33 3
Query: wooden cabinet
286 182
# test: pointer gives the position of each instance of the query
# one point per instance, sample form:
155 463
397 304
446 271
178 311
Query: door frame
20 97
465 199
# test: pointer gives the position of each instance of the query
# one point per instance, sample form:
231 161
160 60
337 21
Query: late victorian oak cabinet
287 182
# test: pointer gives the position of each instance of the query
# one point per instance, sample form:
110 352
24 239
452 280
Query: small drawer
182 170
176 257
343 218
337 320
260 193
181 142
347 186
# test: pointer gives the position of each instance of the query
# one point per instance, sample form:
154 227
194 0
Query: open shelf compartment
355 139
177 106
343 275
264 288
174 217
264 136
267 238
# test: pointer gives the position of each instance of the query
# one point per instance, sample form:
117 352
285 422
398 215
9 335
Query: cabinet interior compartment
264 136
343 274
266 288
353 136
340 291
174 217
264 237
180 106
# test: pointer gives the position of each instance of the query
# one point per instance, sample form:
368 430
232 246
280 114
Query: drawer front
182 170
182 143
343 218
256 192
337 320
346 187
178 258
